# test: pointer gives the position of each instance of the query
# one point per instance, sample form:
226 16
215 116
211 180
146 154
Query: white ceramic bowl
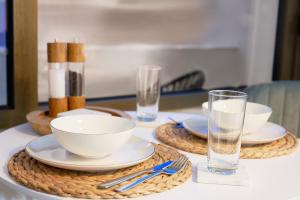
92 136
256 114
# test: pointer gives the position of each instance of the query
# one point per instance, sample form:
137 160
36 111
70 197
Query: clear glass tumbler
225 126
148 92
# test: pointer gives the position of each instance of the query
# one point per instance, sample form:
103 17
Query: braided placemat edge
33 180
184 140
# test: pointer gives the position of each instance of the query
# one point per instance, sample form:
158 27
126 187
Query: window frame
22 62
287 50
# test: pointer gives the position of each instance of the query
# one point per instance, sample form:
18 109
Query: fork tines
179 163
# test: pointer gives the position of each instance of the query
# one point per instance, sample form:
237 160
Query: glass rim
150 67
218 93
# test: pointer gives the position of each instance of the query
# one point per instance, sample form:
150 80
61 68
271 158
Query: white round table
275 178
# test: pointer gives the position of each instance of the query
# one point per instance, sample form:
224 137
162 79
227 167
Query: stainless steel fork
174 168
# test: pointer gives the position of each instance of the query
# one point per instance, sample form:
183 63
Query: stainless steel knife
114 182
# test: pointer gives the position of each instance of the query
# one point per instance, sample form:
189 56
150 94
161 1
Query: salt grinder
57 68
76 59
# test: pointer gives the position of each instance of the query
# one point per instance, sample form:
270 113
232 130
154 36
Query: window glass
3 54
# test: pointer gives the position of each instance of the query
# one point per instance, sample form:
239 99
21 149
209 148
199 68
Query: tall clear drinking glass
225 126
148 92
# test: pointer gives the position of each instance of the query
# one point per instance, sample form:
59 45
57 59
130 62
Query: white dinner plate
268 133
46 150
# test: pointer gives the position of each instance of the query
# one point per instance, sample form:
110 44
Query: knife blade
162 166
114 182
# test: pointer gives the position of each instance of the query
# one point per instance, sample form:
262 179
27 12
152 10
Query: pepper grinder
57 66
76 59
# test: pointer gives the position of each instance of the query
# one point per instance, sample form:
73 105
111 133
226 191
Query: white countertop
275 178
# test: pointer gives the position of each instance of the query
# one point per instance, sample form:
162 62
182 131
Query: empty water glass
148 92
225 126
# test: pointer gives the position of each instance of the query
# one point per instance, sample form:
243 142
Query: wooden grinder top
57 52
76 52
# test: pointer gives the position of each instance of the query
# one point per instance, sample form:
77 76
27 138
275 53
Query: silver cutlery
116 181
172 169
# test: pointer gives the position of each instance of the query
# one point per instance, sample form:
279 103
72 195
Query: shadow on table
26 129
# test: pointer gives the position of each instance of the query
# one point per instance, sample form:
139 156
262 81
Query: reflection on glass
3 52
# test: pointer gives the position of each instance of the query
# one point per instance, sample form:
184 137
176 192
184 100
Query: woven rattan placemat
41 177
184 140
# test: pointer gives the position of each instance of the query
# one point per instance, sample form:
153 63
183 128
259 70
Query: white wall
225 39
